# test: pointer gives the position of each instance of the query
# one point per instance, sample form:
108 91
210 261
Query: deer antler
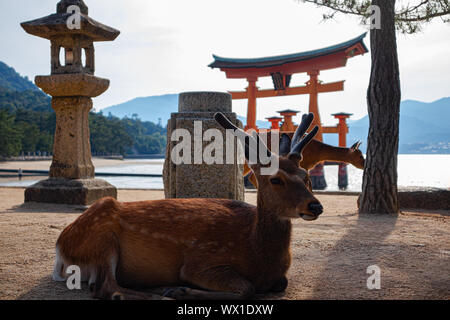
285 144
306 120
297 147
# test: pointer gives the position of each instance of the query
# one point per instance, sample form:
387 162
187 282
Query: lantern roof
274 118
342 114
55 24
288 111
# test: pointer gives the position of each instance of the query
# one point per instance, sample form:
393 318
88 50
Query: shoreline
98 163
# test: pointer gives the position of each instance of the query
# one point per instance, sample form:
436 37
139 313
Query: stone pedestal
70 191
224 181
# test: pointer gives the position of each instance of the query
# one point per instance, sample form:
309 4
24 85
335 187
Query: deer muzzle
315 209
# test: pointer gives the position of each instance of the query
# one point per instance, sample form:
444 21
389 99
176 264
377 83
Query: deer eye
277 181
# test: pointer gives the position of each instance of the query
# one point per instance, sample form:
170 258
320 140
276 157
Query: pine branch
408 19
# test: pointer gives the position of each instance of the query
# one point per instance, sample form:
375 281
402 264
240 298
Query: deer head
287 192
356 156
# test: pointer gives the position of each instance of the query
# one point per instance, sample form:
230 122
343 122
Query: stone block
203 180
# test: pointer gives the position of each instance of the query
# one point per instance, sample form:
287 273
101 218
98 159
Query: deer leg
220 283
107 288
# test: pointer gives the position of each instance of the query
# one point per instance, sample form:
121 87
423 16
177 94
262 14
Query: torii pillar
251 107
317 174
342 130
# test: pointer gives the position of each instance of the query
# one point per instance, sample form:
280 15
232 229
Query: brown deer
316 152
229 249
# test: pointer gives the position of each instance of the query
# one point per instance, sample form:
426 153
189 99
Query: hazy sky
166 45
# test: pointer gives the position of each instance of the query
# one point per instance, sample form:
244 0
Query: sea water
422 170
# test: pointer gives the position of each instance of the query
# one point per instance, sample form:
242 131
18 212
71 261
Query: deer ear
285 144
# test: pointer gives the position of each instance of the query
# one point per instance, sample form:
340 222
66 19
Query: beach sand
330 256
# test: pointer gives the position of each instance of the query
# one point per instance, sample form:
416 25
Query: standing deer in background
316 152
230 249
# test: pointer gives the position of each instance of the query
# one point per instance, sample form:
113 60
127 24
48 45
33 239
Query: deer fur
228 249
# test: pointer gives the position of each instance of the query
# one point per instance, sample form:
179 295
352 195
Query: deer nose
315 208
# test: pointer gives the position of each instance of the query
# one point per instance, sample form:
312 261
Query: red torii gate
281 69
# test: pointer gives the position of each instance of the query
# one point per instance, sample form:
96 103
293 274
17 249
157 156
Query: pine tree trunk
379 189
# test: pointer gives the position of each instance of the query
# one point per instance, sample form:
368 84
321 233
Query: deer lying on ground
316 152
229 249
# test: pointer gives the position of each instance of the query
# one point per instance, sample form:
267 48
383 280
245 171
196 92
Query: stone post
224 181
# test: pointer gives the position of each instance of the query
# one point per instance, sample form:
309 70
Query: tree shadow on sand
344 276
409 270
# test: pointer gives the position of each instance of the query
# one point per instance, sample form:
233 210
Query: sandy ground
330 255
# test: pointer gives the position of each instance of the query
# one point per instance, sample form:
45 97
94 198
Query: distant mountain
424 127
19 92
154 108
157 107
259 123
11 80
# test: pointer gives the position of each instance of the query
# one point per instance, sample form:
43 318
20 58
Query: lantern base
70 191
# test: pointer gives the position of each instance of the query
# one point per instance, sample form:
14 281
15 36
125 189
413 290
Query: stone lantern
287 114
72 85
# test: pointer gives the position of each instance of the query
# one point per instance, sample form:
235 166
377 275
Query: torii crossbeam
281 69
